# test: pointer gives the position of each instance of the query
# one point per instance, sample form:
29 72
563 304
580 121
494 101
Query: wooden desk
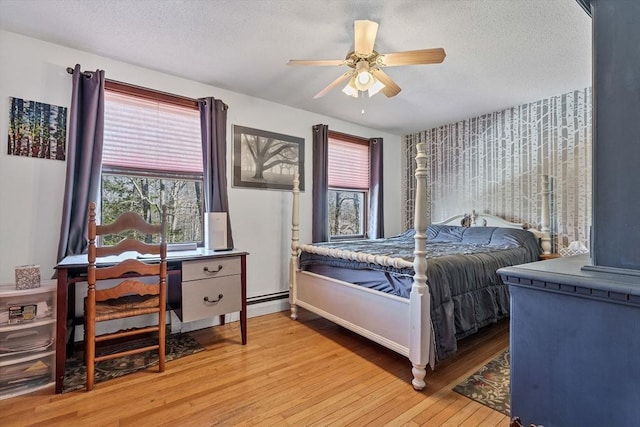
73 269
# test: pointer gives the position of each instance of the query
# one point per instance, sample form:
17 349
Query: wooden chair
130 297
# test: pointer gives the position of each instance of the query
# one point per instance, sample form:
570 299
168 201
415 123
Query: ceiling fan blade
334 83
390 88
413 57
365 36
322 62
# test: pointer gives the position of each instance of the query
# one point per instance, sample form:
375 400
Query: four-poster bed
462 293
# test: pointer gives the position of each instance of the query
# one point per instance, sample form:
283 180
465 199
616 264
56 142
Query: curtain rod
84 73
115 82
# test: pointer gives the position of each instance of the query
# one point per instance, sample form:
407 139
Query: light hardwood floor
301 373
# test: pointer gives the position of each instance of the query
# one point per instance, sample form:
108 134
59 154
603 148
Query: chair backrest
128 221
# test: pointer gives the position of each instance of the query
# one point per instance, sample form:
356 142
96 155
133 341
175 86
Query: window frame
364 219
351 139
162 97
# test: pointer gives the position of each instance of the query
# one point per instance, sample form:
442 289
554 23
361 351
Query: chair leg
90 339
161 340
90 352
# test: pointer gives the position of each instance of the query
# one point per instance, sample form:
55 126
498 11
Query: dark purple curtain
320 215
376 203
213 124
84 159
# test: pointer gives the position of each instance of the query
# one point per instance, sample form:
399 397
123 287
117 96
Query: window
348 178
152 156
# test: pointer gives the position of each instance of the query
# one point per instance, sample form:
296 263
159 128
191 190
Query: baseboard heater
268 297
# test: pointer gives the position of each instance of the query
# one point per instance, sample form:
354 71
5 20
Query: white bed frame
403 325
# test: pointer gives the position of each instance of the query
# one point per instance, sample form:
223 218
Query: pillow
432 231
445 233
407 233
512 236
478 235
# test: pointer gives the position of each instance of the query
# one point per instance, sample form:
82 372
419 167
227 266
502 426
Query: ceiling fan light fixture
350 89
376 87
364 78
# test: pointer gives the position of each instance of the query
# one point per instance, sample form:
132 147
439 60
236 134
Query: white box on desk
215 231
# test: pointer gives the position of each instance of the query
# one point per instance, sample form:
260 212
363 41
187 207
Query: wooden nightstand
211 285
549 256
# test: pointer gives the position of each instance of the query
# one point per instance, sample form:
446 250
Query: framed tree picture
266 160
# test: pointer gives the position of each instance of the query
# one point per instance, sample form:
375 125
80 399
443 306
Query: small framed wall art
37 129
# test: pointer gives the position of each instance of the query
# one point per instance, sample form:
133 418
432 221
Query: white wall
31 189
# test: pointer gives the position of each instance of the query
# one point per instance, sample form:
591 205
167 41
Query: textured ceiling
500 53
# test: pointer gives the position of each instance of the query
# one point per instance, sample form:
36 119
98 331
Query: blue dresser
575 344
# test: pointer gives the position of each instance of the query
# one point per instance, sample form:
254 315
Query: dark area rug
490 385
178 345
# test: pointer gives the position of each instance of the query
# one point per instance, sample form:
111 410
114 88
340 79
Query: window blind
151 135
348 164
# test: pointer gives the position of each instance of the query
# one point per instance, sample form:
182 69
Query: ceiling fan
365 73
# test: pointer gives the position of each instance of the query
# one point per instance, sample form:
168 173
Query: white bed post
420 299
295 239
545 239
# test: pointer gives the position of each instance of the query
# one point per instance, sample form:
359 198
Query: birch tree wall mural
494 164
36 129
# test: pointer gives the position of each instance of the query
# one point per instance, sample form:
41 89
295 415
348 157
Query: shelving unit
27 346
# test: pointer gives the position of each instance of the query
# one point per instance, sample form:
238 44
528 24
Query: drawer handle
206 269
207 301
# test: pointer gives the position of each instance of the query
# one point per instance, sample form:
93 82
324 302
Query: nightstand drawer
202 299
210 268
